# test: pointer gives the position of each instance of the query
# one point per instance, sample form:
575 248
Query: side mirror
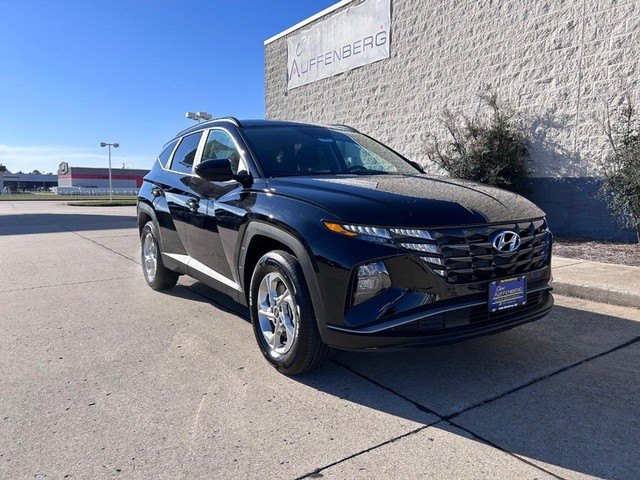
215 170
219 170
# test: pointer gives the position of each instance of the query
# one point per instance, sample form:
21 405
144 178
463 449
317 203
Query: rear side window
166 154
186 153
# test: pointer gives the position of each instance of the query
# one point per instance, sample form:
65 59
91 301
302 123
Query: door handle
192 204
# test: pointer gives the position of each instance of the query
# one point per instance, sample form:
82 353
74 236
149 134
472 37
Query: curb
600 282
614 297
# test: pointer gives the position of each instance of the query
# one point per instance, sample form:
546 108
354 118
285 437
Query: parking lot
103 377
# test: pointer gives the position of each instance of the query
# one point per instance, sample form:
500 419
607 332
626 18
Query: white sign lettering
357 36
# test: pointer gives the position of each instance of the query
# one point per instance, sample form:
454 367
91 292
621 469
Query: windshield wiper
318 174
302 174
364 172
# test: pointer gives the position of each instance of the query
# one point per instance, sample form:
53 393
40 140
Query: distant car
334 240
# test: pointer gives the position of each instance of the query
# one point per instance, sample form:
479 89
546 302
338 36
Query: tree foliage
621 167
492 149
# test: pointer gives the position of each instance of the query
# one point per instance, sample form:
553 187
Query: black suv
334 240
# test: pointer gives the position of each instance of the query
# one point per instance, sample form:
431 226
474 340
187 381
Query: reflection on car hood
407 200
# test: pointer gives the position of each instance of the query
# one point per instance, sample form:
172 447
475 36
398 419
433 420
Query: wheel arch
145 214
261 238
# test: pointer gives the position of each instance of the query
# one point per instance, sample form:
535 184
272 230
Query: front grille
468 316
466 255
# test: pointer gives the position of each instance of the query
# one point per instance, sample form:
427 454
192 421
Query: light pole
114 145
198 116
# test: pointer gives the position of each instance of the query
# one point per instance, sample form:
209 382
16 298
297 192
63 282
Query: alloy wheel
277 314
150 257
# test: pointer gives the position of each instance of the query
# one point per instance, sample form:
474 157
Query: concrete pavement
103 378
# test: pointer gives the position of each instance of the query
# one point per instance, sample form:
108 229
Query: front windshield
299 150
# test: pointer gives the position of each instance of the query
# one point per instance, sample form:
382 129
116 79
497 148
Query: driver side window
219 146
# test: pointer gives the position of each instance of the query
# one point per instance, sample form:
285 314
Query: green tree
491 149
621 166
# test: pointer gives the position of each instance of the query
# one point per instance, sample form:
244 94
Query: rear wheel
156 274
282 315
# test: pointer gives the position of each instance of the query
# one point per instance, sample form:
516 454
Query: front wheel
282 315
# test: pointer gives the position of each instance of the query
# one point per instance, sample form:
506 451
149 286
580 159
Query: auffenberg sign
355 37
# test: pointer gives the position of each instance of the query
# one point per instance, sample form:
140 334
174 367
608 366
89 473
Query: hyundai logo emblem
506 241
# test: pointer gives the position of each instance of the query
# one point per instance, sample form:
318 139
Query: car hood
406 200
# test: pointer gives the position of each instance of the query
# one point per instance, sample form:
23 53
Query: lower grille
481 313
468 316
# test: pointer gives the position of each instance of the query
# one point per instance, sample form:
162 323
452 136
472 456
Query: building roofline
307 21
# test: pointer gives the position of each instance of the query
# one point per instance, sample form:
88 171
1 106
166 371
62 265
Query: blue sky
74 73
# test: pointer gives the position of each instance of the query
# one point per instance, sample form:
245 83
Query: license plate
507 293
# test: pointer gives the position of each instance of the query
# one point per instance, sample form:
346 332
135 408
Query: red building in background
86 177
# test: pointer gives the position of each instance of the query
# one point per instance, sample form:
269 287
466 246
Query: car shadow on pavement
203 293
563 392
32 223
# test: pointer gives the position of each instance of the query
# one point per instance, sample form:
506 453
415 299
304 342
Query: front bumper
420 307
440 324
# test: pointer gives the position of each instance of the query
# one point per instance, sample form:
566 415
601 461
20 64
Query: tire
157 276
287 332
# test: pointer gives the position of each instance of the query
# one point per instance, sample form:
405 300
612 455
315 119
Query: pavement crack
542 378
503 450
88 238
84 282
362 452
577 262
449 418
419 406
116 236
105 247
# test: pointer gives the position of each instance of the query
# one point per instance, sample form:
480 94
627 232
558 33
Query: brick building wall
558 62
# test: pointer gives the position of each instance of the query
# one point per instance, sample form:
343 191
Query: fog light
372 278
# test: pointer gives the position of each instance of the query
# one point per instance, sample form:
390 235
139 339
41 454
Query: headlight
416 240
408 238
376 234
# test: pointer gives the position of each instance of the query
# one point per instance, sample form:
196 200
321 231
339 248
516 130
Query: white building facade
560 63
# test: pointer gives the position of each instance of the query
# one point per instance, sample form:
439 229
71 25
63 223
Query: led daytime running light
413 232
421 247
336 227
357 230
369 231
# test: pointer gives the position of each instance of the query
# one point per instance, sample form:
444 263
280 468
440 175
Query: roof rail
344 127
233 120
